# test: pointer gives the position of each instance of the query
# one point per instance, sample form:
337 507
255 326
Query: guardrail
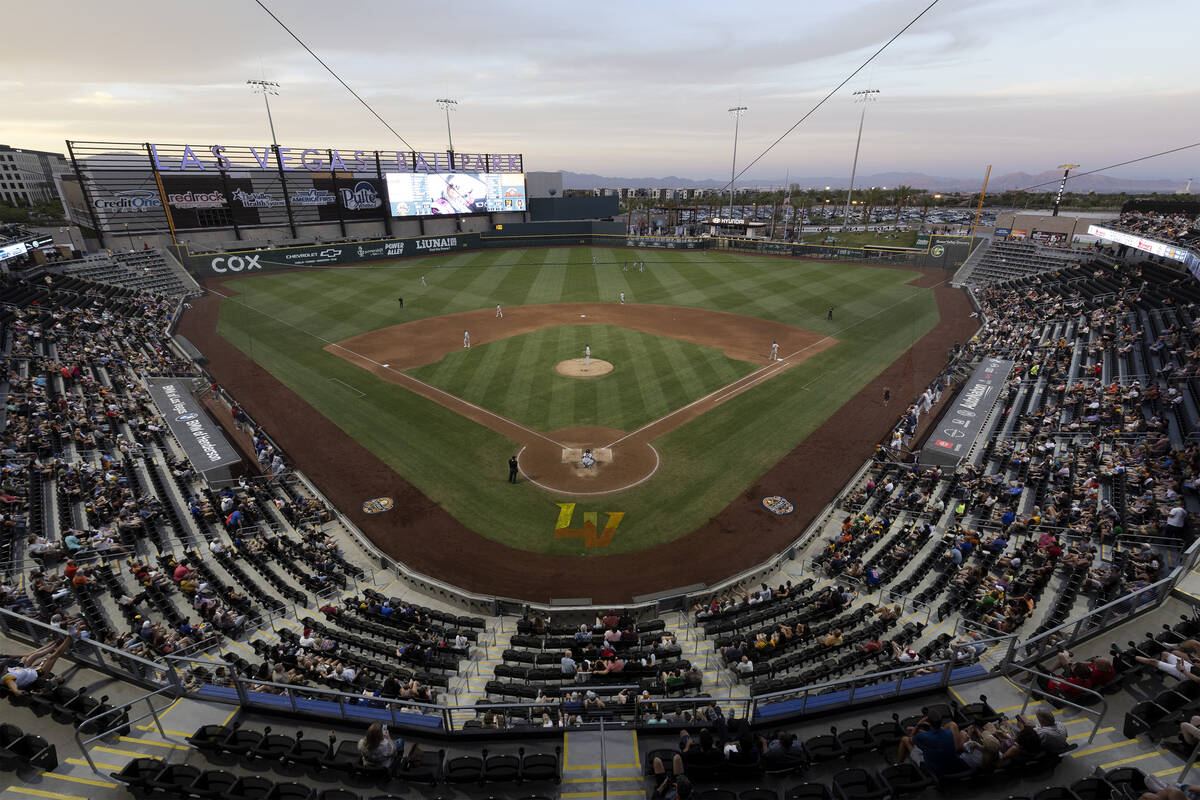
156 713
1109 615
1085 709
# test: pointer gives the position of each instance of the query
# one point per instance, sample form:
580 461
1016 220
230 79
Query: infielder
774 352
622 297
499 312
466 338
587 355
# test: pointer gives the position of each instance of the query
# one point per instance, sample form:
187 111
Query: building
29 176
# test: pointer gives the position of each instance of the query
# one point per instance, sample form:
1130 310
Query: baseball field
692 412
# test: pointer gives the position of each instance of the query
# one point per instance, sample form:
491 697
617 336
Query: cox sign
224 264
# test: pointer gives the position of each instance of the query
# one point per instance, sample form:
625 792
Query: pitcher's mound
574 368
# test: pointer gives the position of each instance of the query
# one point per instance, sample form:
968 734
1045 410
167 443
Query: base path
387 352
429 540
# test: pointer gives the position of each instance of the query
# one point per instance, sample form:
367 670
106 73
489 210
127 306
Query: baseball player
624 266
595 260
466 338
622 297
499 312
587 355
774 352
641 266
423 283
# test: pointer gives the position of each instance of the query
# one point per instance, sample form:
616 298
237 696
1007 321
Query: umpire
512 470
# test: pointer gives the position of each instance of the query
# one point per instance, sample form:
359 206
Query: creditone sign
202 440
961 423
254 261
1162 249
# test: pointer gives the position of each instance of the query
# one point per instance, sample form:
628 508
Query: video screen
419 194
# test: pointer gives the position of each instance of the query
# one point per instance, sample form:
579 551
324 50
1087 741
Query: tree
903 195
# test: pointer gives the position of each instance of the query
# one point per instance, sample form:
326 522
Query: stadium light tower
447 105
864 96
266 89
737 119
1062 186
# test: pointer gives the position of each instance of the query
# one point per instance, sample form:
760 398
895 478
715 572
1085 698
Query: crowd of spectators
1178 227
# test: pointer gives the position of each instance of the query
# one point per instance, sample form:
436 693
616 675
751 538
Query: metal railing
1029 690
124 723
1111 614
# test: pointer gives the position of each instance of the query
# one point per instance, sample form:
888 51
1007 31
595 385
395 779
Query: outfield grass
865 238
283 322
652 376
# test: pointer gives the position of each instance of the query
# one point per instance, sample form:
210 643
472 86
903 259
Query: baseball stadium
366 473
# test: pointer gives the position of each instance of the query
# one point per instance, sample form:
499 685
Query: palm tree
903 195
874 198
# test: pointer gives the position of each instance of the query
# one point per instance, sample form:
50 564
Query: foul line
348 386
764 373
396 372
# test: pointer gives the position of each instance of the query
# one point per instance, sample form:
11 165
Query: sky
629 89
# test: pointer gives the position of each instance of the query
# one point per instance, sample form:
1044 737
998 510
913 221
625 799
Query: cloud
99 98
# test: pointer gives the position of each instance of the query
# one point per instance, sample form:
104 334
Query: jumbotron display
416 194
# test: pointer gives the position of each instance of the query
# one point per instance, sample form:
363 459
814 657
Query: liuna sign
250 262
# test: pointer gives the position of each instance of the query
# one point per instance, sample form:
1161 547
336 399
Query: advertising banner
922 241
417 194
1151 246
249 262
951 438
665 242
203 442
359 198
201 201
1002 232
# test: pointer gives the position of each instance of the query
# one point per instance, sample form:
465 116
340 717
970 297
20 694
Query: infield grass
283 321
652 376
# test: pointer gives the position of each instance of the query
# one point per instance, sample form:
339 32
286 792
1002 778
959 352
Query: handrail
123 723
1084 709
19 626
1034 650
603 763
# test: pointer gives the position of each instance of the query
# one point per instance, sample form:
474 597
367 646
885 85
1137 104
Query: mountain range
1043 181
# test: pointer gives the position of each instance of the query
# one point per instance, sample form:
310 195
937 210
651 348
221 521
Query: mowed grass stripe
440 452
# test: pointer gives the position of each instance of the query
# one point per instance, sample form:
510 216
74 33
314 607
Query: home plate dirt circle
588 460
577 368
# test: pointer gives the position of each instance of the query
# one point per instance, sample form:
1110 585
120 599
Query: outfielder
466 338
595 260
774 352
499 312
423 283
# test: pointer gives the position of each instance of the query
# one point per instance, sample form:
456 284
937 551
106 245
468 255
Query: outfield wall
943 252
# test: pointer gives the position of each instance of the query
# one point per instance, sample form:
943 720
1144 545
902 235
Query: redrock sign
218 157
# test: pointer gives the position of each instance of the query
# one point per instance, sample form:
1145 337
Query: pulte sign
951 438
254 261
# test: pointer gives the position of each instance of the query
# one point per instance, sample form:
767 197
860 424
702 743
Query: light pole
267 88
864 96
737 119
129 236
446 104
1066 168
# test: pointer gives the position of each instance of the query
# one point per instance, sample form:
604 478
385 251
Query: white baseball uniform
466 338
499 313
774 352
423 283
587 355
622 297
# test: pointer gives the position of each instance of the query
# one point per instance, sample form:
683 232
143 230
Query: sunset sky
625 88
